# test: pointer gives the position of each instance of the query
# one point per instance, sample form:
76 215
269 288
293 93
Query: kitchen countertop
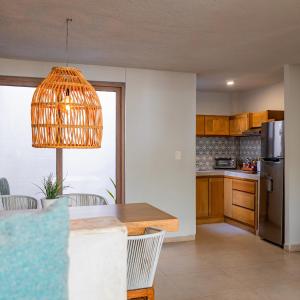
233 173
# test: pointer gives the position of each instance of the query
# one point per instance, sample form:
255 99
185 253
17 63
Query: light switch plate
178 155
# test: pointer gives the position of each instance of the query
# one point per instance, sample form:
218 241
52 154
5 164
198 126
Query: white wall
228 103
292 146
12 67
214 103
160 112
160 119
270 97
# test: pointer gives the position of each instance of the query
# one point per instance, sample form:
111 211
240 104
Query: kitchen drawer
243 199
244 186
243 215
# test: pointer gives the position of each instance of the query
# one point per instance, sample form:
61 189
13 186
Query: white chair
142 258
85 199
4 187
17 202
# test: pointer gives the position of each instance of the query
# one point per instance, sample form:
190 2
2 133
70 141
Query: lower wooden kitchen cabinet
244 201
209 199
227 198
202 197
243 215
216 197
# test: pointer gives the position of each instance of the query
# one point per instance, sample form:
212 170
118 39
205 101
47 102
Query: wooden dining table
136 217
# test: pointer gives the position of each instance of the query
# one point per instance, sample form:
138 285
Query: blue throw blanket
33 254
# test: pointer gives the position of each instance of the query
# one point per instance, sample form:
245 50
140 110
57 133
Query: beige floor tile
260 276
288 291
206 282
164 288
236 294
226 263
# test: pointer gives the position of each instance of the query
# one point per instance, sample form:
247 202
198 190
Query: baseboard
292 248
240 225
211 220
175 239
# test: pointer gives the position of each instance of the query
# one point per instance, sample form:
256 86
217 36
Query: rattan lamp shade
66 111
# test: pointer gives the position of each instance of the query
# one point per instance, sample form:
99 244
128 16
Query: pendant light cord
68 20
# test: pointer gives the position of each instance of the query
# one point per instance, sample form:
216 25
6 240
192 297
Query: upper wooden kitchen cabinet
199 125
256 119
238 124
216 125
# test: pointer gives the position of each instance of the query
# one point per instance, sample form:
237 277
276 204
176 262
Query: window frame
119 89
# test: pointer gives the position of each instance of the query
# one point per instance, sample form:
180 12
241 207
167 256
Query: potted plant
110 193
51 189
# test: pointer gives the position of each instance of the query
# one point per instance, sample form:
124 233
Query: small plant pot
48 202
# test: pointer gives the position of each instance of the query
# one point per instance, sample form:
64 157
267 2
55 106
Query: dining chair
4 186
81 199
17 202
142 257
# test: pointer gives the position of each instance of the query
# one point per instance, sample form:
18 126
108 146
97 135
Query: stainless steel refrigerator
271 207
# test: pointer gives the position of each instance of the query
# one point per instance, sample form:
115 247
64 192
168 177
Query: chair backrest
4 187
85 199
142 258
17 202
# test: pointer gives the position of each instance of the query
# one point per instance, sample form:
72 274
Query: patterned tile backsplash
207 148
240 148
250 147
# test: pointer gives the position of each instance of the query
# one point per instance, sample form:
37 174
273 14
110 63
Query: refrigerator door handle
269 184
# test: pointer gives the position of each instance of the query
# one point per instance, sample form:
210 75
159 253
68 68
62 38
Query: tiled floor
226 263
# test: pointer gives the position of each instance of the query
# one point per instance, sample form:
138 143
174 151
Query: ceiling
248 41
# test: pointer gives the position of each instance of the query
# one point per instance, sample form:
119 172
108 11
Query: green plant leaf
50 187
111 194
114 184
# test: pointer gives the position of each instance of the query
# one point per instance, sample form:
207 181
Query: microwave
225 163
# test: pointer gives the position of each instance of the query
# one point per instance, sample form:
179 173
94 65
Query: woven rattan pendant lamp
66 111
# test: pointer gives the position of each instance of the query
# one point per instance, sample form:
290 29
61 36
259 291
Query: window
85 170
90 170
20 163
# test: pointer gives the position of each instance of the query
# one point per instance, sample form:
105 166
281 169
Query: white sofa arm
98 253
